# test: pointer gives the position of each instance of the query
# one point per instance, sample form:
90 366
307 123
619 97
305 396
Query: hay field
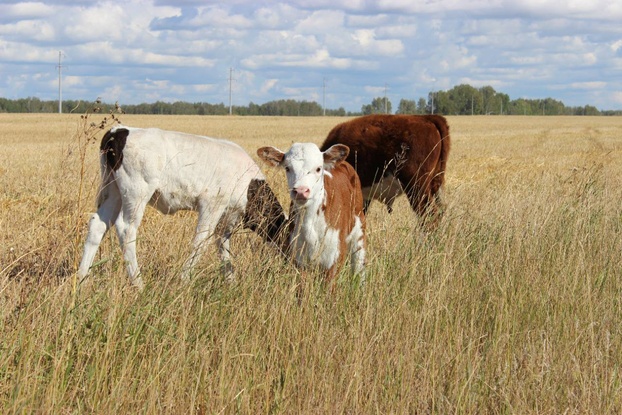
512 306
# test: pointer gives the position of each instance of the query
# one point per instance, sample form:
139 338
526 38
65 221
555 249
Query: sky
339 53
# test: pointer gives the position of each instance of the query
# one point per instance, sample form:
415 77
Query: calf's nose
301 193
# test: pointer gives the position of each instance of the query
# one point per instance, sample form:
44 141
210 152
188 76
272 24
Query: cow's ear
335 155
272 156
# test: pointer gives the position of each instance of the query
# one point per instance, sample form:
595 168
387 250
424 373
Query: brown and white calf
395 154
175 171
326 212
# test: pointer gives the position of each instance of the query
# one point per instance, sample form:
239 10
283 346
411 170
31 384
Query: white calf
327 206
174 171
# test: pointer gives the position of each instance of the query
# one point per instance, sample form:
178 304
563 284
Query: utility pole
60 84
324 97
230 82
386 108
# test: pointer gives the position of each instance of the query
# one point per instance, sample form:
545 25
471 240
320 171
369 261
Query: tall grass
511 306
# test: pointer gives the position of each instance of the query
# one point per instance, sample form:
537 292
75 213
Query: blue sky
345 52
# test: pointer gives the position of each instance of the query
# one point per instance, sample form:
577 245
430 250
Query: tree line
467 100
460 100
287 107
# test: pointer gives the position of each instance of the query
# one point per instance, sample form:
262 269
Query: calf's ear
272 156
335 155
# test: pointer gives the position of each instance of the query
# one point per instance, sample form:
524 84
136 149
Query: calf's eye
318 169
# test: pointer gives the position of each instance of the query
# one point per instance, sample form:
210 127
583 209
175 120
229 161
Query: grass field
512 306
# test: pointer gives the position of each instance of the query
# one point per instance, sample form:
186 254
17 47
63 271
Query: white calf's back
184 169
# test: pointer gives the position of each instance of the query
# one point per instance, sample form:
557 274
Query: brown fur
344 201
413 148
264 213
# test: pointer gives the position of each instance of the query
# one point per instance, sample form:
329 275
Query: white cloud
527 60
25 10
367 21
319 59
89 24
302 94
73 81
268 17
25 52
363 43
589 85
112 93
215 16
375 90
595 9
268 85
186 48
398 31
322 21
572 59
350 5
35 30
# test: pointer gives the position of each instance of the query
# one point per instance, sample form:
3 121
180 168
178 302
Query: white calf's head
305 166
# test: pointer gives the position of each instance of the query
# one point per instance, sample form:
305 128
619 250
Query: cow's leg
127 224
439 200
99 224
356 242
417 189
209 216
227 227
222 242
424 204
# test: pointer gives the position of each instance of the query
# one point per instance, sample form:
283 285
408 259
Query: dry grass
512 306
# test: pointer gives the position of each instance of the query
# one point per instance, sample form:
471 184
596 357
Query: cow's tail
439 176
443 130
110 158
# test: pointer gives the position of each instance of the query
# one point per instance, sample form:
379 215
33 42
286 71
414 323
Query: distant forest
460 100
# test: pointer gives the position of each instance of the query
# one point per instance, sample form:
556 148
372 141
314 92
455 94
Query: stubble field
512 306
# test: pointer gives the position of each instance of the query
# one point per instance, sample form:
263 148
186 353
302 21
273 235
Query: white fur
313 241
171 171
304 167
356 245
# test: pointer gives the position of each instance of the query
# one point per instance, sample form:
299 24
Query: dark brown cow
410 148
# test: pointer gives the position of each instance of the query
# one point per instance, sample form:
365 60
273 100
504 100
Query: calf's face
305 166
